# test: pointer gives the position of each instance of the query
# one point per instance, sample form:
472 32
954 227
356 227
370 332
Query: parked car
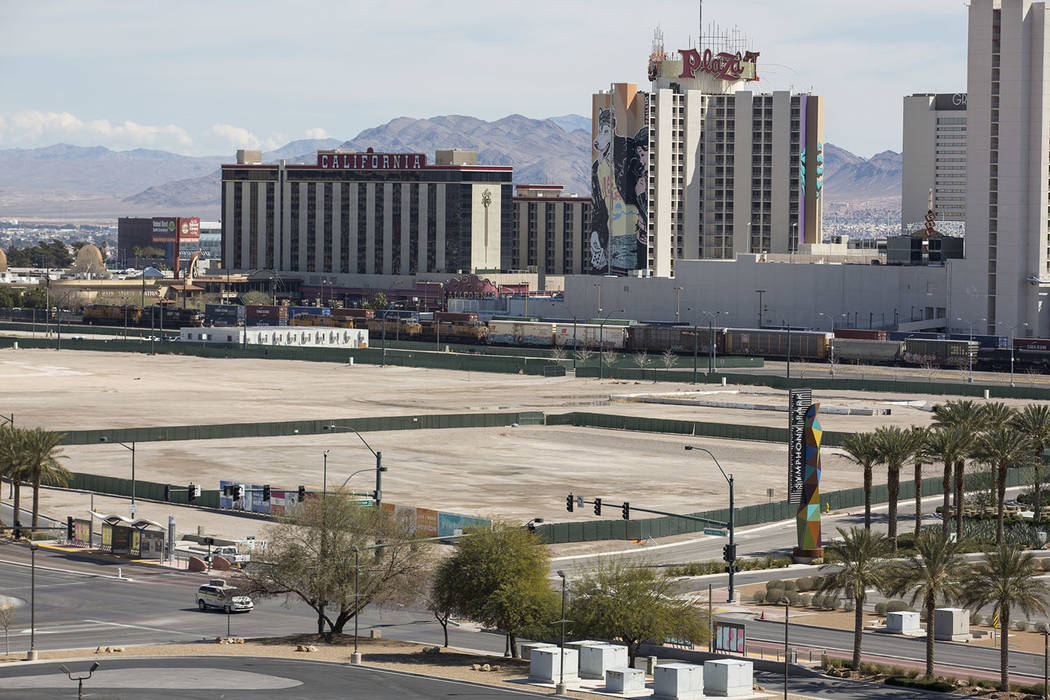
216 594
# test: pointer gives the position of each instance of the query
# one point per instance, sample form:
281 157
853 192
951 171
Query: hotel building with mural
727 170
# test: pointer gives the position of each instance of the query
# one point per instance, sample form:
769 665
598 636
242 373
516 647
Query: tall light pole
355 658
324 475
711 331
80 679
31 655
732 521
1013 333
560 688
760 292
379 468
787 610
969 355
677 304
130 447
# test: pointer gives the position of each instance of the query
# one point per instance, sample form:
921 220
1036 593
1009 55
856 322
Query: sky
206 78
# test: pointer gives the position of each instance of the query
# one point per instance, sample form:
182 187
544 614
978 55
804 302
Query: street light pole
560 689
355 658
80 679
379 468
732 520
131 448
31 656
787 609
324 475
760 292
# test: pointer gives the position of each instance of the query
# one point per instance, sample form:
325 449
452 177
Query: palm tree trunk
16 517
858 629
867 496
918 498
893 487
1000 479
36 501
946 487
930 606
959 490
1004 650
1037 500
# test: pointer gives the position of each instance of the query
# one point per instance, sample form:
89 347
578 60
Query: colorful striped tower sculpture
807 520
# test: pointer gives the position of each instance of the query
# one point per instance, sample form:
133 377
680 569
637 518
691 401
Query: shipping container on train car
265 315
294 311
984 341
455 317
448 332
1033 344
224 315
764 342
514 332
939 352
395 328
588 334
861 351
354 313
860 333
916 335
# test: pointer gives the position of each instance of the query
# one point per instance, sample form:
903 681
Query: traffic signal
69 528
570 502
729 553
302 493
625 511
266 492
193 492
236 490
167 492
597 506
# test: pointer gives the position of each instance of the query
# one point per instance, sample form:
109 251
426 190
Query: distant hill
572 122
848 177
95 170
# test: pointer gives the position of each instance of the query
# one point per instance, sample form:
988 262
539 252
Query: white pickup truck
229 552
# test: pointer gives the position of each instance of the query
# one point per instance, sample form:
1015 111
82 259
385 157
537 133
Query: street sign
716 533
579 501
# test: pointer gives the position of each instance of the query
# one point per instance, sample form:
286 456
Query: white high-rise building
934 161
1002 284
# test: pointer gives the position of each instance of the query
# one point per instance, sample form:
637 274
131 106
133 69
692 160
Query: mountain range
95 183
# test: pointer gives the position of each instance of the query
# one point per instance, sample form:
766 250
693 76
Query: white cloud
31 127
314 133
239 137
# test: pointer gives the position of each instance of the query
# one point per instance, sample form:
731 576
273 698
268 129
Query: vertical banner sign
807 519
799 401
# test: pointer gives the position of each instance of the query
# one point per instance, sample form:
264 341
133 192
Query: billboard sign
950 101
722 65
799 401
164 228
730 637
189 229
331 160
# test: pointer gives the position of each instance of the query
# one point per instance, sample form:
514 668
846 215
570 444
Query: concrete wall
794 293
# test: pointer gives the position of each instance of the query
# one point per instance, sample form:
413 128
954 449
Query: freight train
138 316
843 345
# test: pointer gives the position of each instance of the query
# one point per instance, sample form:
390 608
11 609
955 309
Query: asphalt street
206 678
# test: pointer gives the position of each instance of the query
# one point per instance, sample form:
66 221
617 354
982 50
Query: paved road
207 678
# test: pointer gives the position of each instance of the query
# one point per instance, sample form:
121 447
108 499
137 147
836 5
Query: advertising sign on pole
730 637
799 401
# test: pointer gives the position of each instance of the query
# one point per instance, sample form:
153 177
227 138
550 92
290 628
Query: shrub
775 583
1021 625
805 600
897 606
792 597
790 585
773 595
831 602
904 681
1042 627
804 584
847 605
868 668
759 596
976 618
880 608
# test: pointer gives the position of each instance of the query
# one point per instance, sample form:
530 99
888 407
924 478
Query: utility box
728 677
624 680
545 665
583 642
525 648
678 682
951 624
902 622
595 659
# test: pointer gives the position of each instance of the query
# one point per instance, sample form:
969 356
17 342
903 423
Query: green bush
792 597
790 585
805 600
905 681
847 605
804 584
880 608
773 595
897 606
775 583
759 596
1021 625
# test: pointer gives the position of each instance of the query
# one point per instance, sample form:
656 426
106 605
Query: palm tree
1006 579
861 449
895 446
1034 422
968 416
950 444
937 570
1002 448
13 467
39 450
920 444
855 565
